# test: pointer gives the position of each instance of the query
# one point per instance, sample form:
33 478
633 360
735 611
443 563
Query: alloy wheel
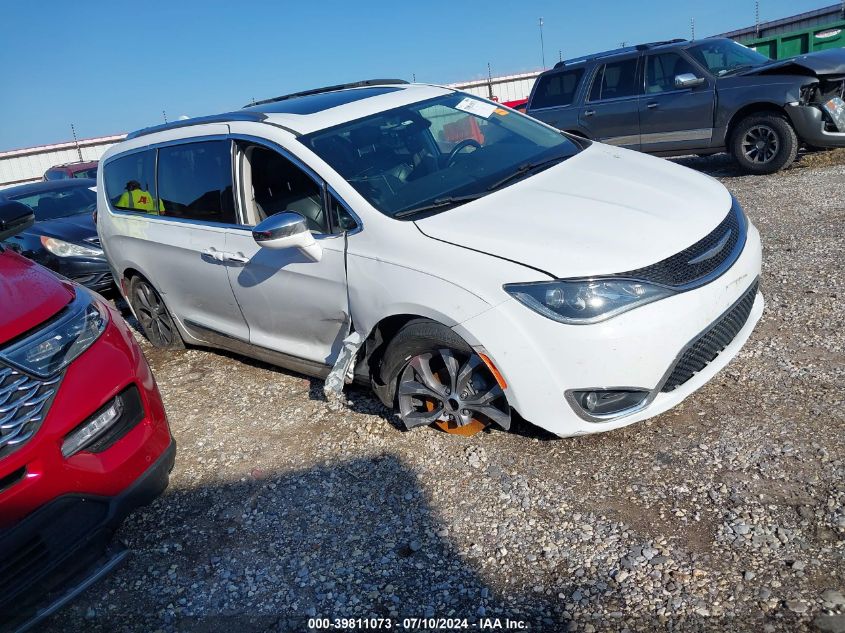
455 391
760 144
152 315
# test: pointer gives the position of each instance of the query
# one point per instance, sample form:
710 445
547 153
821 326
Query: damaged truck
701 97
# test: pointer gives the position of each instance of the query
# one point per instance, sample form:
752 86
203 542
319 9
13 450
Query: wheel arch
377 341
759 107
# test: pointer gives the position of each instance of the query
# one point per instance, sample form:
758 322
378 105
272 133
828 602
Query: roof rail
316 91
239 115
616 51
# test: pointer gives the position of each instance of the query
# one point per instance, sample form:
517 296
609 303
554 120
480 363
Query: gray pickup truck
701 97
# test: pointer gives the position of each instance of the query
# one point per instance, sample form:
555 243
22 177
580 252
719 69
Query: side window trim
334 194
155 147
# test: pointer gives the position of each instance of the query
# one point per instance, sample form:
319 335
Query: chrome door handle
214 254
651 106
237 258
589 112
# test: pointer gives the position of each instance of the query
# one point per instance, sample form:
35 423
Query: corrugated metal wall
505 88
27 165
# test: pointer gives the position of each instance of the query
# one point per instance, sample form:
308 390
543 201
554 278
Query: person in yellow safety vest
137 199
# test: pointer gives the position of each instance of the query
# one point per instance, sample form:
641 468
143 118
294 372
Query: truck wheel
764 143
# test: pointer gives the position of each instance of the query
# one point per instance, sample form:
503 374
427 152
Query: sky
111 66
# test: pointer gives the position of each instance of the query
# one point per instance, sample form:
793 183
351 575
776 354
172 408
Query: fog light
93 428
608 402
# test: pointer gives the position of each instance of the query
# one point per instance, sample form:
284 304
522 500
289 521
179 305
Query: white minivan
473 262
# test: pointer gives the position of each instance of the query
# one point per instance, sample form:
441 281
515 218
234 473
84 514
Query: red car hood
29 295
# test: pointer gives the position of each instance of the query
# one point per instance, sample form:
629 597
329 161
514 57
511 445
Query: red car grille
24 402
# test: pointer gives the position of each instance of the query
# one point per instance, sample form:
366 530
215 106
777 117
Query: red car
87 169
84 438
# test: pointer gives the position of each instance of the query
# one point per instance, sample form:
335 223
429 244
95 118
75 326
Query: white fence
27 165
505 88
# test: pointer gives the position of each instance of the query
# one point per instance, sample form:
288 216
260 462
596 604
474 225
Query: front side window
275 185
195 181
433 152
557 89
615 80
130 182
661 71
723 57
49 205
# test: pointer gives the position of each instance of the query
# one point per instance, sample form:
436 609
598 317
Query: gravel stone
280 507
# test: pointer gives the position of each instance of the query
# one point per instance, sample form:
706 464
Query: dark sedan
64 236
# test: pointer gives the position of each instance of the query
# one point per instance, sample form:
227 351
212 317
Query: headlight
51 349
586 301
60 248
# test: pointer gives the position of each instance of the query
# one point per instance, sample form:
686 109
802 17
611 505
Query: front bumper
52 553
809 125
541 360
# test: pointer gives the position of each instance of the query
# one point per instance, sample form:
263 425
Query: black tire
153 317
764 143
421 338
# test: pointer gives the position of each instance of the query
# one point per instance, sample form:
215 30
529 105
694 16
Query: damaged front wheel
443 382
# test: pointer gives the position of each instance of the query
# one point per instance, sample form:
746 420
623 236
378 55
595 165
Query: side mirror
688 80
287 229
14 218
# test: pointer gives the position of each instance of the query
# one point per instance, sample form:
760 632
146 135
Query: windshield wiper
525 169
438 203
737 69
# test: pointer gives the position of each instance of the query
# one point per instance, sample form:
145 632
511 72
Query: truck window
661 71
557 89
615 80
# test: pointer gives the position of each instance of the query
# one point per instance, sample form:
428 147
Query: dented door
291 304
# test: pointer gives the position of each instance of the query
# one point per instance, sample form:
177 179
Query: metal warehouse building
25 165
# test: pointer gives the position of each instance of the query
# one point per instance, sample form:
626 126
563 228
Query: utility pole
692 27
489 82
164 114
76 142
757 18
542 45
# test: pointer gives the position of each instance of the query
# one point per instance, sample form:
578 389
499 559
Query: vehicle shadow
354 538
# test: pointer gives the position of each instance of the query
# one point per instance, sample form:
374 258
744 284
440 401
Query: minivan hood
30 294
826 63
605 210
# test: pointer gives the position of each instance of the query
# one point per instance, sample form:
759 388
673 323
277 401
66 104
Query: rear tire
153 317
437 379
764 143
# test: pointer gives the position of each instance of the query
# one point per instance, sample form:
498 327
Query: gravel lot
727 513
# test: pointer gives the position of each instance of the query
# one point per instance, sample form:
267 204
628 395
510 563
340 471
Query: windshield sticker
478 108
501 111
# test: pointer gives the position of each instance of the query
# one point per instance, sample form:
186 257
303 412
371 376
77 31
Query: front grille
699 260
709 345
24 402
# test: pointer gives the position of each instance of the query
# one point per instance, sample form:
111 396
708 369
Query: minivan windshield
722 57
435 154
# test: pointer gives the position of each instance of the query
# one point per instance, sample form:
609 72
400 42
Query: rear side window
557 89
195 181
130 182
615 80
55 174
